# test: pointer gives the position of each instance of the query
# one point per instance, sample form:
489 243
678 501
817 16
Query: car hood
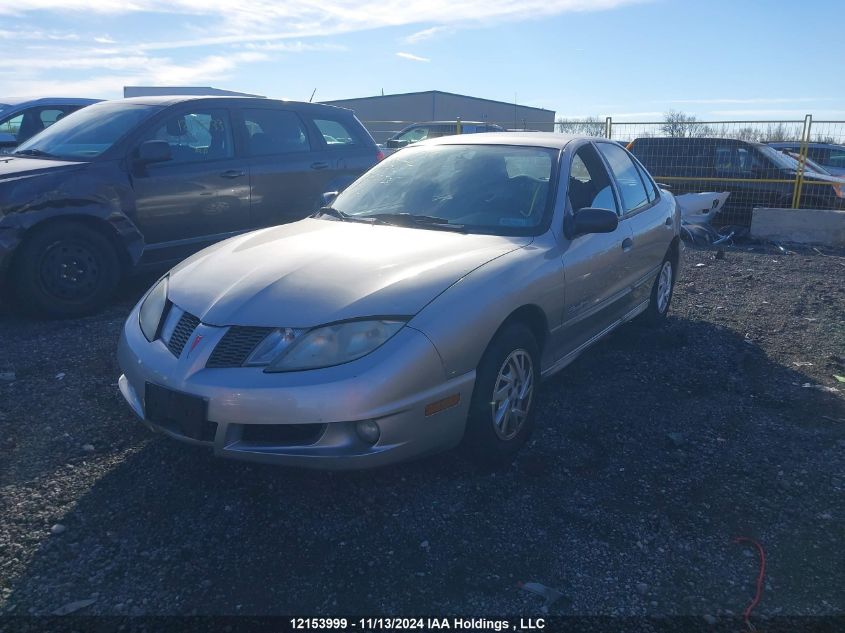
18 166
319 271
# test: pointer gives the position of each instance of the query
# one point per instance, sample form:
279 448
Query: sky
629 59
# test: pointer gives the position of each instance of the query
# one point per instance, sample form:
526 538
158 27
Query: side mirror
8 139
153 152
327 198
395 143
591 220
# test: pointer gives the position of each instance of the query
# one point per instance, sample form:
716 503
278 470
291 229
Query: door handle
319 165
232 173
627 243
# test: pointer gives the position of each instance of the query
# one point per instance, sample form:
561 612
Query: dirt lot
654 451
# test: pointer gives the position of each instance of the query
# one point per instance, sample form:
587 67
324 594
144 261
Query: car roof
452 122
549 140
169 100
798 143
692 139
18 101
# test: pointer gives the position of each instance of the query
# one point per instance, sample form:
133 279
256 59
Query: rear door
649 216
597 291
285 164
201 194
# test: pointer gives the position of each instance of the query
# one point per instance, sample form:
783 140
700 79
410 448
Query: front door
594 265
198 196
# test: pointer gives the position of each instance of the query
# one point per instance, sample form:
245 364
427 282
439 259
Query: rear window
335 133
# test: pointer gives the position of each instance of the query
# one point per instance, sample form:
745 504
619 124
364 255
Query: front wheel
501 415
661 294
65 270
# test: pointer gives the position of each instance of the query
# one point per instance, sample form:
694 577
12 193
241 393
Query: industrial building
385 115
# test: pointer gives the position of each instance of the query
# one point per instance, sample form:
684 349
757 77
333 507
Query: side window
589 183
414 135
627 177
49 116
274 132
334 132
12 125
836 158
819 154
196 136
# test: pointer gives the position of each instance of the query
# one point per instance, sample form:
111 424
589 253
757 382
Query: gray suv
147 181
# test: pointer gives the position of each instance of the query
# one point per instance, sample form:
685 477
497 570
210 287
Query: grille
187 324
283 434
236 346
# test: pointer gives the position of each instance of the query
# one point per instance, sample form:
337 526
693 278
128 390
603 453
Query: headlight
335 344
268 350
152 308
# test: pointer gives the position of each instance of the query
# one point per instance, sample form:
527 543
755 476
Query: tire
486 443
661 298
65 270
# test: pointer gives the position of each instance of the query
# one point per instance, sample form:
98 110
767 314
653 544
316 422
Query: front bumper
392 386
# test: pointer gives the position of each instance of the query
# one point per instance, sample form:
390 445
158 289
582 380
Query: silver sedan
418 311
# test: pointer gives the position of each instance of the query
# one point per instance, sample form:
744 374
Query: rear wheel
66 269
661 294
501 415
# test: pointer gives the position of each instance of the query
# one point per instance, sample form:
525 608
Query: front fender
98 191
462 321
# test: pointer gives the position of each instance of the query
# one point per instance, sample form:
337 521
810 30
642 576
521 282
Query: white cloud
427 34
758 100
237 33
267 20
412 57
794 114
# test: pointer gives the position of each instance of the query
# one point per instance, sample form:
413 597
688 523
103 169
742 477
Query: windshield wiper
34 152
340 215
427 221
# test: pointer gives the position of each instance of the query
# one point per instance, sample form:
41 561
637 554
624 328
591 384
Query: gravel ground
654 450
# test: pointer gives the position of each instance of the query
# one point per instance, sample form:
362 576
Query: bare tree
778 132
591 126
679 124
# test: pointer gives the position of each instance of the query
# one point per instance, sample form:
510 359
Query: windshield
88 132
780 160
808 164
496 189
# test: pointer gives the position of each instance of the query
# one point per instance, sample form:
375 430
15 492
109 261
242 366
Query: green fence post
458 126
608 128
802 159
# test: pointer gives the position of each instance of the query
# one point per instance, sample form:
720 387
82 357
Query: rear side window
335 133
274 132
650 188
49 116
627 177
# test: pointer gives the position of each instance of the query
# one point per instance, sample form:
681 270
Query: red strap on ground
746 615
